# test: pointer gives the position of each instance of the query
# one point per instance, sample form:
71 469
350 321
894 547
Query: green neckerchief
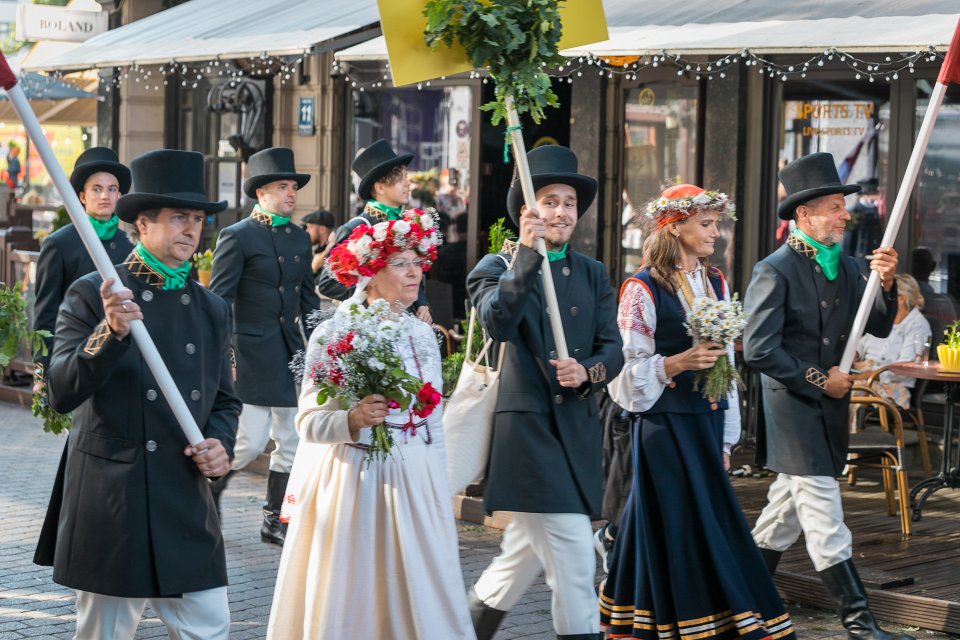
173 278
275 220
553 256
105 229
827 257
393 213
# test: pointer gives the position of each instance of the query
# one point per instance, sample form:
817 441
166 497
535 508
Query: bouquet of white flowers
358 357
720 321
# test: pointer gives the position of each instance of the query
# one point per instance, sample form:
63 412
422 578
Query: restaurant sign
36 22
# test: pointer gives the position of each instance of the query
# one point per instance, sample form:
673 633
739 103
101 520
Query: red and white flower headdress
368 248
681 201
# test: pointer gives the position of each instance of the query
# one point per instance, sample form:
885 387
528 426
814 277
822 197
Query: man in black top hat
99 179
319 225
137 522
385 189
545 457
802 301
262 268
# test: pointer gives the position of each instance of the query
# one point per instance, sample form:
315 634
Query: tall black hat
167 178
375 162
810 177
553 164
97 159
269 166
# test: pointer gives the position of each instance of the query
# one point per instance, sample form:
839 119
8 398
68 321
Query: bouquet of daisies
358 356
720 321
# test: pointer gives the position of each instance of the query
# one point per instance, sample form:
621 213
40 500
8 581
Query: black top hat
167 178
553 164
269 166
95 160
323 218
375 162
810 177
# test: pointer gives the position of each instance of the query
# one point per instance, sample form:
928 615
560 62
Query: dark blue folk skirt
684 565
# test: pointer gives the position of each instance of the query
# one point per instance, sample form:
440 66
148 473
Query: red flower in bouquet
428 399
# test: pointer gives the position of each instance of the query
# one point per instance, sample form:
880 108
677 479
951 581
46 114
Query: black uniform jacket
798 327
546 452
63 259
137 517
264 273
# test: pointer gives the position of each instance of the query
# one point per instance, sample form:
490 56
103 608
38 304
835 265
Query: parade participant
371 551
138 523
319 225
261 267
99 179
385 189
545 459
669 567
802 301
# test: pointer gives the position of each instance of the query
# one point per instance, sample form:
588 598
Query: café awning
202 30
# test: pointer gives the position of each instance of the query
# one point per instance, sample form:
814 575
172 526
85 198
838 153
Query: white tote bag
468 416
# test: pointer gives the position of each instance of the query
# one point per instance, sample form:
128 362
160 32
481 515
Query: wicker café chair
915 426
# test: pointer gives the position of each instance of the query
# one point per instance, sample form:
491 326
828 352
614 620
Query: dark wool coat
546 452
264 273
799 325
137 517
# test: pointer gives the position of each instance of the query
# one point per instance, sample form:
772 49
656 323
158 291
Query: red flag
950 71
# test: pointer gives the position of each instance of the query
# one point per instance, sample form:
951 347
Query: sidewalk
31 606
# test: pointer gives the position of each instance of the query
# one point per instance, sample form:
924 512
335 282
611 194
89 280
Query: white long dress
371 550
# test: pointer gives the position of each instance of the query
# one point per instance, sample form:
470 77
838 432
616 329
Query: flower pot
949 357
203 275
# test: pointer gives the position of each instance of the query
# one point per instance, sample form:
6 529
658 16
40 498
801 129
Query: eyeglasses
406 264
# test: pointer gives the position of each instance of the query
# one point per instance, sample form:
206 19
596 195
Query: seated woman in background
910 333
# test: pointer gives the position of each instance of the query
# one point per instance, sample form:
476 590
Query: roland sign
37 22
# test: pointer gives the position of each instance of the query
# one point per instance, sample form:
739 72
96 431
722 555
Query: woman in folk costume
371 550
683 561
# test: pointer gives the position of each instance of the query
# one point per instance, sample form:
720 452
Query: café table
949 475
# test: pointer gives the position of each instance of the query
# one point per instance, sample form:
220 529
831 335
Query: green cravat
553 256
105 229
173 278
828 257
275 220
393 213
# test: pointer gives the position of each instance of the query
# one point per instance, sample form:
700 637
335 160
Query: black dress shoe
272 530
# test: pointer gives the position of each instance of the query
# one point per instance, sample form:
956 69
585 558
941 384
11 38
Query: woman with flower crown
371 550
683 560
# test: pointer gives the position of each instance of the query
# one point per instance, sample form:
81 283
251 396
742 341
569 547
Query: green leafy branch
514 39
15 326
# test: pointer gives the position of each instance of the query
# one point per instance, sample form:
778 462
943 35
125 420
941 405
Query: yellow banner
411 60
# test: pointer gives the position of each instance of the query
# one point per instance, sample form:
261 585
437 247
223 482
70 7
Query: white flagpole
893 225
530 199
95 248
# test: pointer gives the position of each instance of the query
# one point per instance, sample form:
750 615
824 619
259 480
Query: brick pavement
31 606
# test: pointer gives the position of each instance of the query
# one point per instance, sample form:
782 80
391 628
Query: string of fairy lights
284 69
889 68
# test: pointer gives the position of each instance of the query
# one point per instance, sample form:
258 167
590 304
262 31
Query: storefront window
660 140
434 124
935 243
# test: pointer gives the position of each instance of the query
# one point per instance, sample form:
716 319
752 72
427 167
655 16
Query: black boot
486 619
216 488
771 558
272 530
848 595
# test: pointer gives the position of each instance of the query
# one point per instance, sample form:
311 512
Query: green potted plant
948 351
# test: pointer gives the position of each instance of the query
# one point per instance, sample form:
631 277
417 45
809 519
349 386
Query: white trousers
259 425
201 615
810 504
559 544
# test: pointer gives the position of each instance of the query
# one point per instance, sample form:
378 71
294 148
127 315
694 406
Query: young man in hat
385 189
802 301
138 523
262 269
319 225
545 458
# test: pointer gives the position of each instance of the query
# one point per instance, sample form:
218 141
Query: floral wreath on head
368 248
681 201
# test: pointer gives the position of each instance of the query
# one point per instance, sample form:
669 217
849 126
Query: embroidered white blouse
643 378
